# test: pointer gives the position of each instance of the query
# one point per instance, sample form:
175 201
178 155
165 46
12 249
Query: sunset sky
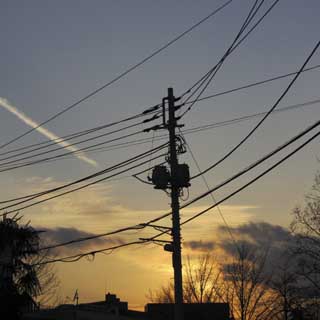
54 53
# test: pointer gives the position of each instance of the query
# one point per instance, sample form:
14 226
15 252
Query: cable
211 74
161 137
132 68
204 78
252 166
68 144
247 86
258 162
79 256
101 235
211 195
248 117
266 115
209 126
185 131
255 179
91 130
186 221
96 174
73 190
62 154
91 176
75 134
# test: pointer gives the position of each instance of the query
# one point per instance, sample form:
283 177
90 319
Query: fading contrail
12 109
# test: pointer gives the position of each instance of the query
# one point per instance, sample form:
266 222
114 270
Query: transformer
183 176
160 177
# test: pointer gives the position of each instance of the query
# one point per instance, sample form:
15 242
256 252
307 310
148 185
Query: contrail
24 118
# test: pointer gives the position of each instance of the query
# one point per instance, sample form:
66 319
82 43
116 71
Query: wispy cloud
45 132
60 235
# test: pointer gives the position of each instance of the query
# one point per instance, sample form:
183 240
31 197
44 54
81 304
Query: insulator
183 176
160 177
168 247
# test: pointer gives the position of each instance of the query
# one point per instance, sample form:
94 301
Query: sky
54 53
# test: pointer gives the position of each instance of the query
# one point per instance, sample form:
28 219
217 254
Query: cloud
45 132
251 237
258 239
260 232
52 236
200 245
95 199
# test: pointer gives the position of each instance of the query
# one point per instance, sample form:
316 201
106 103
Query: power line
62 154
258 162
212 196
121 230
79 256
76 189
147 112
88 131
205 127
265 116
123 74
161 137
96 174
252 166
68 144
247 86
209 126
210 75
247 169
101 235
205 77
94 129
56 189
256 178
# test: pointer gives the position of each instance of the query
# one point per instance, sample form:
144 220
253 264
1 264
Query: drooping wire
251 132
79 256
212 72
256 178
162 137
121 75
84 132
250 85
255 164
59 155
258 162
91 130
205 80
206 127
68 144
212 196
94 175
78 188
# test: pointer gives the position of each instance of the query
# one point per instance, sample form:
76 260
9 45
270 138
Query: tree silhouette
19 281
201 284
306 228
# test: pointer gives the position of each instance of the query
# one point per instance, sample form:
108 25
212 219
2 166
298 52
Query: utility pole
175 180
175 189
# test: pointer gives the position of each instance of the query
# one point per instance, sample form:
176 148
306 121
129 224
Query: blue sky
55 52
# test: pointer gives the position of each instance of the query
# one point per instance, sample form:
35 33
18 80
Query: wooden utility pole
175 189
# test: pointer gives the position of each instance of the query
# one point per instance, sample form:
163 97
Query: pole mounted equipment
175 179
175 192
